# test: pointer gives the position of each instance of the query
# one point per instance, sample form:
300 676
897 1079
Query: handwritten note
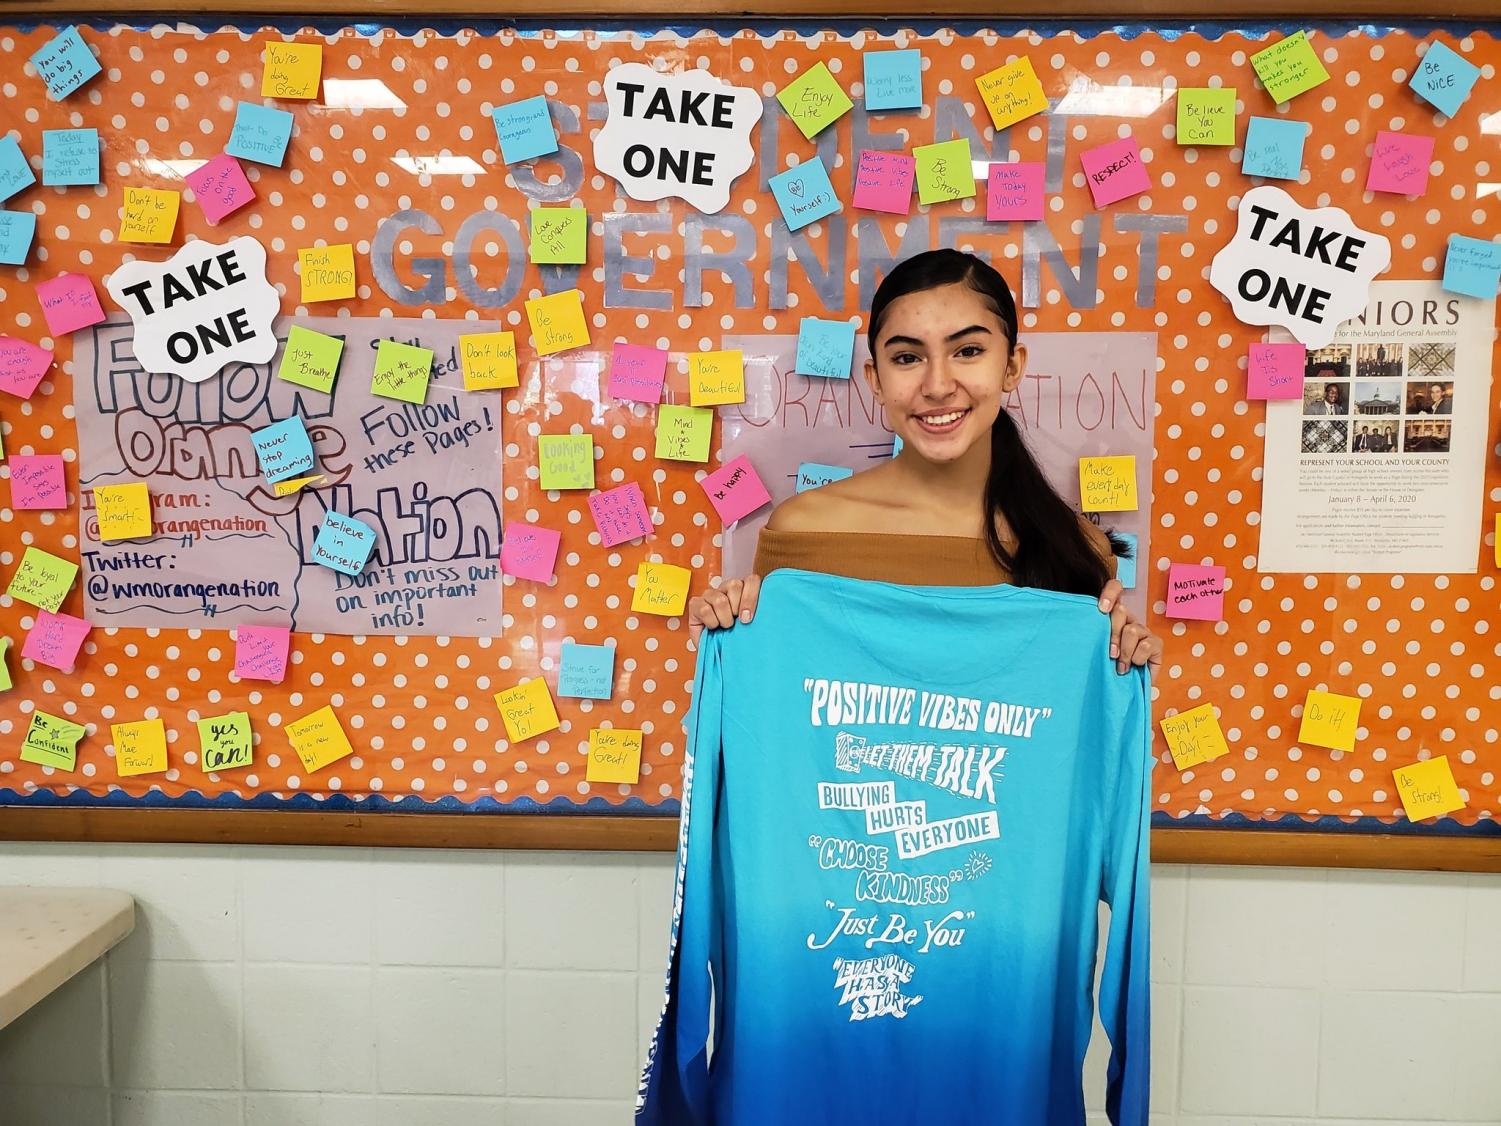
17 230
661 588
1472 266
292 70
637 372
945 171
1012 92
1427 789
1016 191
1108 484
1330 720
560 236
294 484
70 157
1194 736
52 741
65 63
37 481
55 640
69 302
260 134
1274 148
1206 115
140 747
310 359
1115 171
42 579
893 79
15 170
1275 371
812 475
5 681
402 371
804 194
524 129
225 742
527 710
620 514
716 377
327 273
1400 163
529 551
319 739
1196 591
825 348
283 448
735 490
614 755
566 461
587 672
1444 78
814 100
149 215
123 512
220 187
883 182
558 322
488 360
683 433
1289 67
343 543
22 365
261 652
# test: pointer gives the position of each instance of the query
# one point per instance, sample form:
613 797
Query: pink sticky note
1276 371
620 514
883 182
261 652
1399 163
55 640
1196 591
69 303
220 187
636 373
22 365
529 552
1115 171
37 481
1015 191
735 490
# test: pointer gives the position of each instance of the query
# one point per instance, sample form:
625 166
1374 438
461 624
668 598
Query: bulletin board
398 156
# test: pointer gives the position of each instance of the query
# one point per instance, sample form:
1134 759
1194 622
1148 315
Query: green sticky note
42 579
566 461
683 432
5 682
559 236
401 371
1289 67
225 741
1206 116
310 359
51 741
944 171
814 99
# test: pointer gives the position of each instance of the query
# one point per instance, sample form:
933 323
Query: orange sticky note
1194 736
318 738
661 588
527 710
614 755
149 215
1108 484
140 747
123 512
1427 788
1330 720
327 273
716 377
292 70
558 322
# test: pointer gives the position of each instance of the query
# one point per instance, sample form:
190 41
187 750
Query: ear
873 380
1016 367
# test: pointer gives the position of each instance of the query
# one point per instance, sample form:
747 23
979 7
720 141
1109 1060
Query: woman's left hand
1131 643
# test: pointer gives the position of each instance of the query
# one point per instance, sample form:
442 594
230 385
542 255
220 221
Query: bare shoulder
849 505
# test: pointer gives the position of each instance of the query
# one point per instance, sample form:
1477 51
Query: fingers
719 607
1139 647
1111 595
1120 618
748 597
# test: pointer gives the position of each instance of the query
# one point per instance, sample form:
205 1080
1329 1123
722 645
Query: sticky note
527 710
401 371
37 481
283 449
1275 371
560 235
1206 115
1289 67
343 543
310 359
1274 148
661 588
1330 720
220 187
637 373
893 79
294 484
51 741
614 755
1472 266
1196 591
944 171
1399 163
1012 92
1108 484
1194 736
260 133
812 475
140 747
149 215
620 514
5 681
804 194
825 348
70 157
261 652
42 579
1125 565
1115 171
69 302
55 639
1497 544
15 170
1427 789
683 433
883 182
557 322
524 129
292 70
587 672
1444 78
22 366
566 461
1016 192
814 100
65 63
225 742
123 512
716 377
327 273
488 360
319 739
735 490
529 551
17 230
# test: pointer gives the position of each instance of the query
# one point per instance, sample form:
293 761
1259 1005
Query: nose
938 381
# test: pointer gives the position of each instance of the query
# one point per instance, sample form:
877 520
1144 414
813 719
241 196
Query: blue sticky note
343 543
1472 266
1125 569
1274 148
17 229
804 193
893 79
65 64
588 671
15 172
70 157
284 449
260 134
811 475
524 129
896 444
825 348
1444 78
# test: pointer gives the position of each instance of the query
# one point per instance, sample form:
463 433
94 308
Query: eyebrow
949 339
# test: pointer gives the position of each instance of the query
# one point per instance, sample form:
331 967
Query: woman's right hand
719 607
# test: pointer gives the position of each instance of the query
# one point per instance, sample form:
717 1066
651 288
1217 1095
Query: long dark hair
1052 550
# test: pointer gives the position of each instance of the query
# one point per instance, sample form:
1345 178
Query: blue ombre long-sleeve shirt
901 808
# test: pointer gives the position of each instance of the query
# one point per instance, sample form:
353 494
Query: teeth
941 419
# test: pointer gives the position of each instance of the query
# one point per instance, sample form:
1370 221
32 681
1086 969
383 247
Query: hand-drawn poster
226 550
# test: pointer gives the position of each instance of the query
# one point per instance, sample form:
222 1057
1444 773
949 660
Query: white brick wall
351 987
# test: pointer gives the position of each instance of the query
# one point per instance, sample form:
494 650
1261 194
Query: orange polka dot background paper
419 711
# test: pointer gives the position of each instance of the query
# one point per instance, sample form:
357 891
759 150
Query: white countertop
48 934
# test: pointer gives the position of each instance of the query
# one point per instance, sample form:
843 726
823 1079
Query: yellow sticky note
1289 67
149 215
1498 539
661 588
42 579
123 511
944 171
814 100
488 360
560 236
140 747
716 377
287 488
527 710
318 738
683 433
292 70
566 461
1330 720
614 755
558 322
225 742
1206 116
1012 92
1194 736
1108 484
1427 788
51 741
5 682
327 272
